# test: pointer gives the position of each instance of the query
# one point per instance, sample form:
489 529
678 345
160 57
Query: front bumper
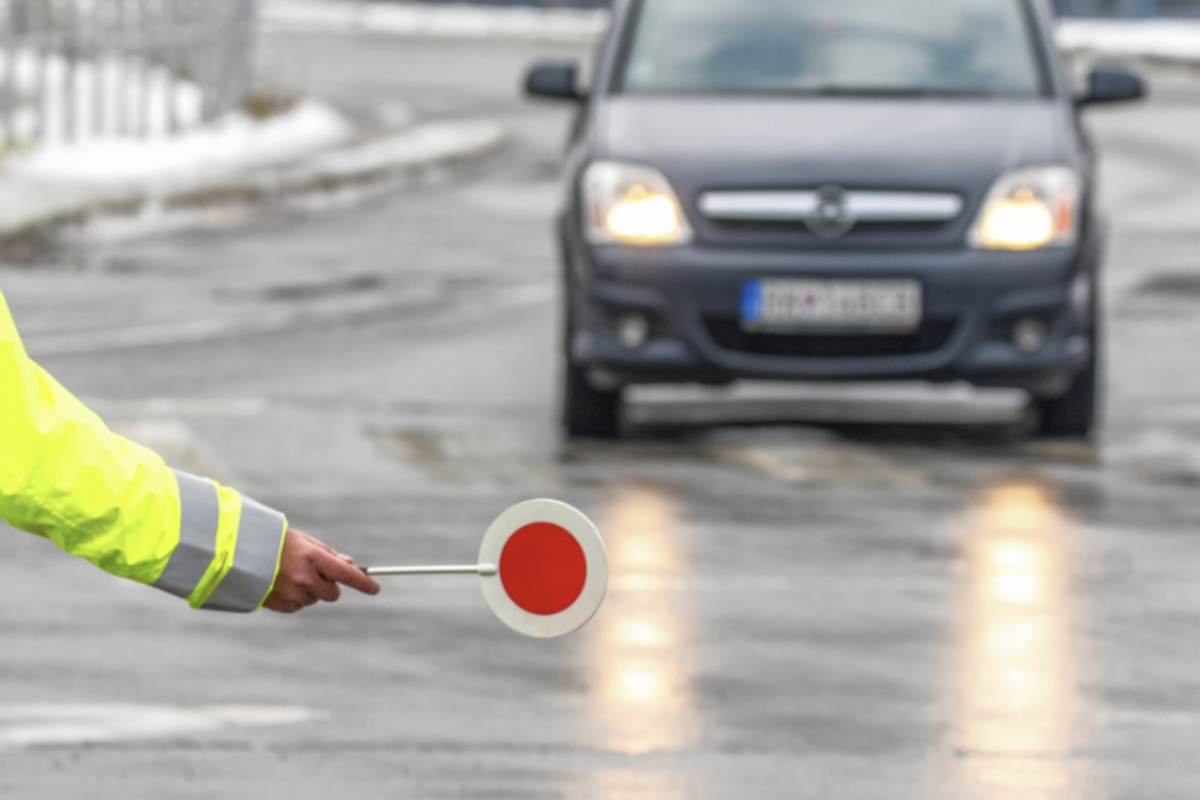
971 301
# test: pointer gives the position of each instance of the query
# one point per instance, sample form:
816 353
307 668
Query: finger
327 548
332 550
350 575
325 588
297 594
338 554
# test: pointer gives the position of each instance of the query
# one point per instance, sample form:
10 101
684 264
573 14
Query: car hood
947 144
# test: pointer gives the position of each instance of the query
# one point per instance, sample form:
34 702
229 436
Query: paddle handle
434 569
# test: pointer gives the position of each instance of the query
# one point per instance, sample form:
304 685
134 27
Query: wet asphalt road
845 611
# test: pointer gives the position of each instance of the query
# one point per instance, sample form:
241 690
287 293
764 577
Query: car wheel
589 413
1074 415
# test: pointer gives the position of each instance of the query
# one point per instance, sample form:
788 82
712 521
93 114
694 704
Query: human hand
311 570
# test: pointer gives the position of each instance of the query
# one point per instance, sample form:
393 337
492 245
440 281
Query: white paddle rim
595 585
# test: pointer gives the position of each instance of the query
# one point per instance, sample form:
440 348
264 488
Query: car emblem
832 218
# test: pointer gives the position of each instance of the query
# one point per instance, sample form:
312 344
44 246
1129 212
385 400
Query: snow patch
232 144
432 142
1173 40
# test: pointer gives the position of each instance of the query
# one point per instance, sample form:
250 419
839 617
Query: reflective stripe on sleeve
254 560
199 514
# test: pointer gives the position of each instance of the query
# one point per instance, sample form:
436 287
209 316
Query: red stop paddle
542 568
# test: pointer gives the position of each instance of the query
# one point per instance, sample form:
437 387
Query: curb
408 155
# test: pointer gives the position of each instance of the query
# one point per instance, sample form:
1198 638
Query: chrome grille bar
861 206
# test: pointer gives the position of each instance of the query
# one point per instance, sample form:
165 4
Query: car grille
794 218
795 229
931 336
873 235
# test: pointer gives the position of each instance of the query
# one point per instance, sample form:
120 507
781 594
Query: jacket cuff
217 566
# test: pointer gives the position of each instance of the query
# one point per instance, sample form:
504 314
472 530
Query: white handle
434 569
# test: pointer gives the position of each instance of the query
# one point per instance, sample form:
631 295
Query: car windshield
833 47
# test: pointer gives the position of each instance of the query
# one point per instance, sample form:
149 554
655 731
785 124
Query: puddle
315 288
306 291
1170 284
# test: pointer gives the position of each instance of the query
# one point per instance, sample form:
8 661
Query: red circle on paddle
543 568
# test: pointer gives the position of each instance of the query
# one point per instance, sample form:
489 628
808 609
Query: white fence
72 70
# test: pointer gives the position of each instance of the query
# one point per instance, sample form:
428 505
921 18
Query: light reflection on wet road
1017 673
640 659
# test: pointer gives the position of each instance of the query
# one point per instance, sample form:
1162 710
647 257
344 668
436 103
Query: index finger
338 570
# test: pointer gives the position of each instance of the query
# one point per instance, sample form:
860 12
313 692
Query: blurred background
306 247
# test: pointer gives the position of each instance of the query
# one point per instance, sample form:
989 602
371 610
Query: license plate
884 306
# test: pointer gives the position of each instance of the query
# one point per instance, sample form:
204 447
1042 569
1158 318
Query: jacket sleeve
65 476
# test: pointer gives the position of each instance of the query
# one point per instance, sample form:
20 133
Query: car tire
1073 415
588 412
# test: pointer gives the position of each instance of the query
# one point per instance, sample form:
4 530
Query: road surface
797 610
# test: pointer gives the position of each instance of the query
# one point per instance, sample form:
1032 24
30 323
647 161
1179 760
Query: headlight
630 204
1028 209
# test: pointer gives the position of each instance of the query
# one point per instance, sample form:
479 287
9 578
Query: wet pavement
842 610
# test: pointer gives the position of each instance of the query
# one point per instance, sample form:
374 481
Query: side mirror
556 80
1111 85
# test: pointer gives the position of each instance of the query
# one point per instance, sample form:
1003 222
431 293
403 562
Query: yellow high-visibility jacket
65 476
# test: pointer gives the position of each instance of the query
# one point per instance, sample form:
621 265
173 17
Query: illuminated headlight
634 205
1028 209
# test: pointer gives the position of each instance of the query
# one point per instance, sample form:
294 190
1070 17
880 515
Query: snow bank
204 154
114 123
1169 40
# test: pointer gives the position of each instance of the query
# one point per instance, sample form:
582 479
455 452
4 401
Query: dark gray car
831 190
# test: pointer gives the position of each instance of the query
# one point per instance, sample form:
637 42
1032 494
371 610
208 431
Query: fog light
1029 334
632 330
